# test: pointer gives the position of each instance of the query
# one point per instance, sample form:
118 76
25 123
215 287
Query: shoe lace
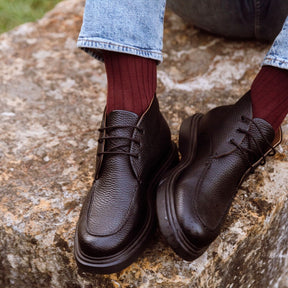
115 148
247 151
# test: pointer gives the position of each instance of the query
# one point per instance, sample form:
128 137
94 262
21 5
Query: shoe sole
117 262
167 217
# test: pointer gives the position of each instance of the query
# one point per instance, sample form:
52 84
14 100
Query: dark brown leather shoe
119 213
218 151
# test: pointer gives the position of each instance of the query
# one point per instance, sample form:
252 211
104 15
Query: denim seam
91 47
257 7
275 62
276 59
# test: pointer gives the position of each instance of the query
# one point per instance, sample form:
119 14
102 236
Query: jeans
136 27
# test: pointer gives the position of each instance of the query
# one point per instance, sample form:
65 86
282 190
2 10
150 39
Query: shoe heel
188 134
174 157
170 163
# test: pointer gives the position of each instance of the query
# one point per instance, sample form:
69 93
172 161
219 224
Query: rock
52 98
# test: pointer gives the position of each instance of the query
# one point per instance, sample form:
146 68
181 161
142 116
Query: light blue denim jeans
278 53
136 27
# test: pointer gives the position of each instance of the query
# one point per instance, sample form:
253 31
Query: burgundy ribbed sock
132 82
269 95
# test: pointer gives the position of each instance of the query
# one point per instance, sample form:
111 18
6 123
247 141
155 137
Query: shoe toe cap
93 245
197 233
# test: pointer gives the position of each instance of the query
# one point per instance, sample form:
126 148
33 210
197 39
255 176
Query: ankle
269 95
132 82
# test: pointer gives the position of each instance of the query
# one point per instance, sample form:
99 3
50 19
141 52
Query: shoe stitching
198 189
121 225
122 149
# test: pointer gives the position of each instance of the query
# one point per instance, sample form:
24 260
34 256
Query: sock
132 82
269 95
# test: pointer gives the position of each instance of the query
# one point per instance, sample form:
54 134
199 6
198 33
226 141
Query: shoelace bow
246 151
119 149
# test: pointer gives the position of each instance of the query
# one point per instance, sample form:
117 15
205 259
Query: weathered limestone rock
51 101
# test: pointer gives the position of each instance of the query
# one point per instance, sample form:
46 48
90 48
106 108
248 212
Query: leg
269 89
260 19
219 150
113 26
123 27
135 148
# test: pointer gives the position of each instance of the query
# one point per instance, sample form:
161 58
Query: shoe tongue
127 120
121 118
264 139
267 132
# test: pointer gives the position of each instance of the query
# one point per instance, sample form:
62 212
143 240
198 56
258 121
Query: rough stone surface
51 101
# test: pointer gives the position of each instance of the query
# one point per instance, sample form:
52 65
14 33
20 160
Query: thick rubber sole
167 218
125 257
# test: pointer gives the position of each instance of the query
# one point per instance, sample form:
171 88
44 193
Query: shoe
218 151
119 213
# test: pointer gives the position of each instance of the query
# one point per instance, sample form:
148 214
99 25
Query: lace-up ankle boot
119 213
218 151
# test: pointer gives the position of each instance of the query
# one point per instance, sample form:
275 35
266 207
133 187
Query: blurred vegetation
16 12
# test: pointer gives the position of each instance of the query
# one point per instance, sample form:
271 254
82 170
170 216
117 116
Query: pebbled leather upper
205 189
118 205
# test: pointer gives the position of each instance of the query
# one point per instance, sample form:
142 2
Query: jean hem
95 47
276 62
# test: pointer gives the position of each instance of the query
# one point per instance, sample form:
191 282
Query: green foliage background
16 12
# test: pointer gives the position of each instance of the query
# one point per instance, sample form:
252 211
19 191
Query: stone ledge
52 97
